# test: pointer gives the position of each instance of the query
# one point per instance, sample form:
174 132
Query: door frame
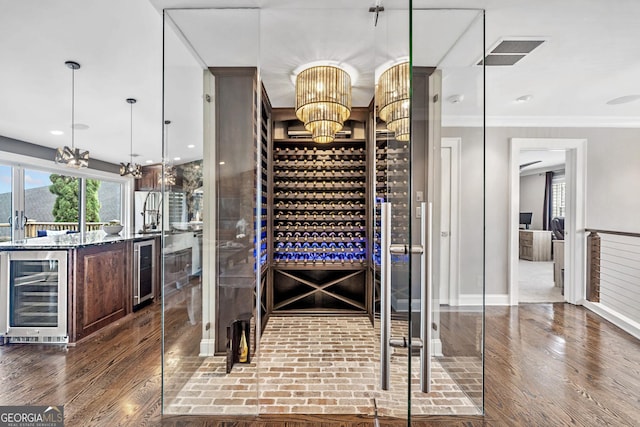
454 221
575 220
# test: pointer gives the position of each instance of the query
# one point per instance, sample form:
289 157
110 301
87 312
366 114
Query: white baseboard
490 299
621 321
436 347
207 347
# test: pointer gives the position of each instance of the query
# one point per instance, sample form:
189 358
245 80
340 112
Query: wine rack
319 205
319 226
262 153
391 175
392 164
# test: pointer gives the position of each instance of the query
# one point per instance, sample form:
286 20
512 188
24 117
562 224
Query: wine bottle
243 348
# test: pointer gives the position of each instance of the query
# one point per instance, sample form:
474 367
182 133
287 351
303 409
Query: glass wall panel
181 209
448 88
298 304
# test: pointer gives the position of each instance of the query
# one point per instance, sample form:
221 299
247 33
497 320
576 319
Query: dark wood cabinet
102 287
150 176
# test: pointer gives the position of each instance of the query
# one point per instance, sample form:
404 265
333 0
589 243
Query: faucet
154 211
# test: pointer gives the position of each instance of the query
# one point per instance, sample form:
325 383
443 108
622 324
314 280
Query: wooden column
593 267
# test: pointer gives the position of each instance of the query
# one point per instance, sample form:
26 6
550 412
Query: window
36 200
558 196
109 201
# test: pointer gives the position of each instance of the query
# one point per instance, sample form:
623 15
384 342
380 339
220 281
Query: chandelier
131 168
72 156
393 99
323 101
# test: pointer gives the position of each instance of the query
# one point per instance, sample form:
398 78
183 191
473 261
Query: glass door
6 206
447 211
319 250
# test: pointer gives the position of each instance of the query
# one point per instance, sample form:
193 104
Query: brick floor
329 365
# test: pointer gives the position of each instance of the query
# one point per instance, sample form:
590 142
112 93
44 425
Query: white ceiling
539 161
591 55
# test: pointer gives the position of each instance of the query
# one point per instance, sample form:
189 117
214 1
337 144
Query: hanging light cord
131 134
73 107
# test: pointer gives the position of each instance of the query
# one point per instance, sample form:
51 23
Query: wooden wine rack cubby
319 227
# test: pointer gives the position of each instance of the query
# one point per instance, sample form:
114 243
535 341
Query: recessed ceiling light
623 99
80 126
176 158
524 98
190 146
56 132
455 99
222 163
149 161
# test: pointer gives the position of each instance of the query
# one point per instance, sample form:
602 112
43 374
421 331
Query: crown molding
543 121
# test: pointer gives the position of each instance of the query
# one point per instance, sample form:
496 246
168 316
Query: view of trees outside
54 198
67 190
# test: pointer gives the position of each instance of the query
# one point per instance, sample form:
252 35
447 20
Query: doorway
574 242
450 222
541 228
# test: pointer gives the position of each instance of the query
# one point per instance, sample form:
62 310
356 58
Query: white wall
532 197
613 174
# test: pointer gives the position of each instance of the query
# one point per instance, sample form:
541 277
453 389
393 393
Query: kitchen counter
99 273
74 240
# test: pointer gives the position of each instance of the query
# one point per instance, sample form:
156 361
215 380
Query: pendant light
393 99
72 156
323 101
131 168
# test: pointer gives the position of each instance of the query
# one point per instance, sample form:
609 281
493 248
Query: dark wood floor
546 365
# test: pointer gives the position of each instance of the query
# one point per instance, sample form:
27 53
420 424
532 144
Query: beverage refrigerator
33 307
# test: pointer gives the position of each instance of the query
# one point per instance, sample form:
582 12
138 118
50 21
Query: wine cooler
34 289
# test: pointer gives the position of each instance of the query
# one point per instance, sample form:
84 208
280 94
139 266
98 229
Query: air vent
38 340
509 52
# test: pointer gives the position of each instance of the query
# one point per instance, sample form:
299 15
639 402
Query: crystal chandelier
393 99
323 100
131 168
72 156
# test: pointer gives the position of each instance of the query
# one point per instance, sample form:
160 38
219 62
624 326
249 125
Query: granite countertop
74 240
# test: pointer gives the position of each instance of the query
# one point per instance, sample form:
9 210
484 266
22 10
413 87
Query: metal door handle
426 225
385 293
24 219
425 251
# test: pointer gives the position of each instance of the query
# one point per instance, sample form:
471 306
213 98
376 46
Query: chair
557 228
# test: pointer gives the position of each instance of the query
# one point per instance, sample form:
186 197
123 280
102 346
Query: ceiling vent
508 52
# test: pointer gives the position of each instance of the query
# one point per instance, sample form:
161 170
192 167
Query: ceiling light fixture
168 175
72 156
623 99
393 99
323 101
131 168
456 99
56 132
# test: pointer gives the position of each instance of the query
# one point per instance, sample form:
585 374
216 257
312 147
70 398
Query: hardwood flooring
546 365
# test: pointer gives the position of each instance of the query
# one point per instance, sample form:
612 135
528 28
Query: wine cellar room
328 200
